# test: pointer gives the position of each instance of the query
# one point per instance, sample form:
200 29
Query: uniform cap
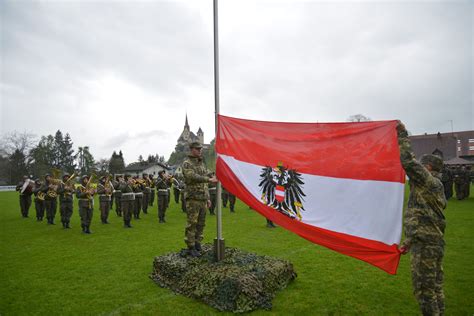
434 161
195 145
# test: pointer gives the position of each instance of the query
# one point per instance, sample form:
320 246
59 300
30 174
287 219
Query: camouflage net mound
240 283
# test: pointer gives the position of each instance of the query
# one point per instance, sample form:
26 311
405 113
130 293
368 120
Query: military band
162 185
118 195
105 189
127 199
49 188
146 193
138 190
66 190
85 194
25 188
39 200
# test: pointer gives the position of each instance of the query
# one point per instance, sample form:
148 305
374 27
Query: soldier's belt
163 190
138 194
128 194
212 189
104 195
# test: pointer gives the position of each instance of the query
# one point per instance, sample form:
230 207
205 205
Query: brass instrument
89 189
109 187
41 196
69 184
54 182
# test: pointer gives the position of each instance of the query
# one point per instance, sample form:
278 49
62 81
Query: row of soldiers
132 195
459 177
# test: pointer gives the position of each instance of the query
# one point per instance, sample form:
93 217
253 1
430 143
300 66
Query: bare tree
17 142
359 118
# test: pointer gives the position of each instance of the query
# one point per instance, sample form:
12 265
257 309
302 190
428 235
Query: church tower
200 135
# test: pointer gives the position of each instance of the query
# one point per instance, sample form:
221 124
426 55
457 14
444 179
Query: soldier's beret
434 161
195 145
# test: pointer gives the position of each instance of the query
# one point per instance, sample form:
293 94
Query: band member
118 195
138 190
66 191
25 188
85 194
127 199
39 200
162 184
49 188
152 190
104 190
231 202
225 197
176 191
146 193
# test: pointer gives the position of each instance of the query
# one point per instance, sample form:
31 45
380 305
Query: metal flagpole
219 246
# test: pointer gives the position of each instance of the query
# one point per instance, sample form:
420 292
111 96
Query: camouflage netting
240 283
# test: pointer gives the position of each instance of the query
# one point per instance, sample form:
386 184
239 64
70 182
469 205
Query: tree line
23 154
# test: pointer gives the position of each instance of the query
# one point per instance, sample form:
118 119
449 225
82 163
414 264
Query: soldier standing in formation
66 191
118 195
447 180
225 197
50 199
162 185
85 195
104 190
231 201
127 199
196 177
176 192
138 190
424 225
213 197
25 188
152 190
39 200
146 193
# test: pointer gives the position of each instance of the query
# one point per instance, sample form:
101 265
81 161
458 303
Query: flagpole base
219 249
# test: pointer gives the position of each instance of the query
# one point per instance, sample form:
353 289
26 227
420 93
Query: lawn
51 271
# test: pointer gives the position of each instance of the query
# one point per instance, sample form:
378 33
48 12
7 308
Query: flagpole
219 246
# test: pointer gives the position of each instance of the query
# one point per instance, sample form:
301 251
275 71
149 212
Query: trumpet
40 196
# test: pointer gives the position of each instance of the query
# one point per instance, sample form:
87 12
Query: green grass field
48 270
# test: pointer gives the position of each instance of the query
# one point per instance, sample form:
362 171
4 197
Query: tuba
54 183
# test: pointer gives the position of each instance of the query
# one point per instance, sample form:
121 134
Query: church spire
186 125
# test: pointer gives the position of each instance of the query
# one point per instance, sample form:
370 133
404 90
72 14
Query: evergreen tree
42 156
17 162
58 142
67 155
116 163
85 160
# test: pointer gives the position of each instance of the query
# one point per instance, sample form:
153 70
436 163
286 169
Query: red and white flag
339 185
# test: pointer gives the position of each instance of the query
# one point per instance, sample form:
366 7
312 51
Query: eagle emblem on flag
282 189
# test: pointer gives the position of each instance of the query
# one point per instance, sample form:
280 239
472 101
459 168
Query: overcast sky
123 74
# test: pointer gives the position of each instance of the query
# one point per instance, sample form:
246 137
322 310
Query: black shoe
193 253
198 247
88 231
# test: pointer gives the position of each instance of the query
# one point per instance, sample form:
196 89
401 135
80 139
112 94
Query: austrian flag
339 185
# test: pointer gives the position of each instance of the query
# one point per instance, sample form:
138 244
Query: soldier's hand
401 127
213 179
208 203
404 247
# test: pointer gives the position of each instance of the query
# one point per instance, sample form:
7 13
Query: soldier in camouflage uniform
196 178
104 190
66 191
146 193
86 203
213 197
225 197
138 190
152 190
424 225
25 196
447 180
50 199
162 185
39 200
127 199
231 202
118 195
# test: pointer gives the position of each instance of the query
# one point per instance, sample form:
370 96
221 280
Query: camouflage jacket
424 220
65 193
162 185
104 195
196 179
126 191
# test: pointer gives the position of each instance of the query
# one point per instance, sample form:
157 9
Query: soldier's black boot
67 225
198 247
83 228
88 231
193 252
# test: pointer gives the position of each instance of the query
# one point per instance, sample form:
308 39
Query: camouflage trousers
86 215
104 207
138 206
427 277
65 210
196 211
25 203
162 206
127 209
39 206
50 206
146 202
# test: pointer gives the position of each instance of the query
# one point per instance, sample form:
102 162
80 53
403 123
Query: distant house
138 168
446 145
